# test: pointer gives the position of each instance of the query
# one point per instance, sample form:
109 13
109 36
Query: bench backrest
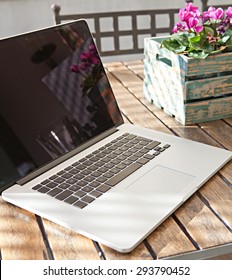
127 29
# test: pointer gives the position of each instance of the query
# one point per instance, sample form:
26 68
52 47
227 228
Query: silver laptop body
148 174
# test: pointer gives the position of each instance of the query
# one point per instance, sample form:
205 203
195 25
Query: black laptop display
54 96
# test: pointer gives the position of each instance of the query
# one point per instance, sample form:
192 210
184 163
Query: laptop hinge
70 154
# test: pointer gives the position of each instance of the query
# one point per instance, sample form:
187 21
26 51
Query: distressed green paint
209 87
208 110
168 83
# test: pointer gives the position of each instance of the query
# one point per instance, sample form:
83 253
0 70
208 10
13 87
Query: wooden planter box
191 90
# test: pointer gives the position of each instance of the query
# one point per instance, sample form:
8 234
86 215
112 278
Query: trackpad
161 180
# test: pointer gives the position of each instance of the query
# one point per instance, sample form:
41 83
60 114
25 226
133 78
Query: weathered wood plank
139 253
205 228
212 64
220 131
219 196
168 239
228 120
20 236
67 244
208 110
131 107
210 87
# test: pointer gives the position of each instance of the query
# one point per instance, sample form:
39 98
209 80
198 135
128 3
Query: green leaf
182 38
207 30
173 45
198 54
226 40
195 39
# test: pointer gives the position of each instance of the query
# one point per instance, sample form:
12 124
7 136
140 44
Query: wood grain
168 239
139 253
219 196
20 236
131 107
67 244
204 227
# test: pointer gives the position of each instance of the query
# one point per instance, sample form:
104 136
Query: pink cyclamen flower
85 55
178 27
190 8
188 12
74 68
213 13
192 24
229 12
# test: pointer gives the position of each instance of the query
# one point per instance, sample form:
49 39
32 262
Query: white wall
17 16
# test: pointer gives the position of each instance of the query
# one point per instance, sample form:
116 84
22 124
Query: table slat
20 235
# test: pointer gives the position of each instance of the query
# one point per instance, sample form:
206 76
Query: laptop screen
54 96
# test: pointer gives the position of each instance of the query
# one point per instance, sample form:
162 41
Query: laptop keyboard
90 177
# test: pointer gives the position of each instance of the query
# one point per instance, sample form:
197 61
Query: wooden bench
122 33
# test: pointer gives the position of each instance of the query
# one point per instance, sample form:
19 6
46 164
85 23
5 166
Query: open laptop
66 154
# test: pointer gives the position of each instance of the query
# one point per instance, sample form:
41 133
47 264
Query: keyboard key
152 145
101 179
80 204
74 171
68 168
71 181
53 177
96 174
95 194
64 186
143 139
67 175
148 156
59 180
89 178
122 175
71 199
87 189
79 193
55 192
143 160
79 176
52 185
43 190
166 146
94 184
82 183
108 175
103 188
75 188
130 136
45 182
64 195
37 187
87 199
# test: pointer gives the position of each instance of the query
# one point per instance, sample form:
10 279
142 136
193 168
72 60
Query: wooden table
201 227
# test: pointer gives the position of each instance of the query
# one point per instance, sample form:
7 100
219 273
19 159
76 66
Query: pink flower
85 55
229 12
213 13
190 8
178 27
192 24
74 68
190 15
